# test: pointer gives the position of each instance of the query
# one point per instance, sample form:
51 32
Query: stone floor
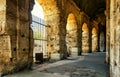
87 65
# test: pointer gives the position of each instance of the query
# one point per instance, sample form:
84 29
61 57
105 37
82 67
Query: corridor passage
87 65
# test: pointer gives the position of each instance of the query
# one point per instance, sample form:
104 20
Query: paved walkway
87 65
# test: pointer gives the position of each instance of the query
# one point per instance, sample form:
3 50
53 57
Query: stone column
107 31
5 44
79 35
90 38
31 39
115 38
80 24
62 29
98 37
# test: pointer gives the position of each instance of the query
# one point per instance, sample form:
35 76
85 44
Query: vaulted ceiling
91 7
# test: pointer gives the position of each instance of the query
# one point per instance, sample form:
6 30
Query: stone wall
15 36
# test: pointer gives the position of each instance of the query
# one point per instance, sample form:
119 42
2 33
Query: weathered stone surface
114 35
108 31
15 36
75 24
52 20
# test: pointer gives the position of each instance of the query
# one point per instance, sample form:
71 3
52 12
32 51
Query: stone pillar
107 31
115 38
90 38
62 29
80 22
79 36
61 24
15 35
98 37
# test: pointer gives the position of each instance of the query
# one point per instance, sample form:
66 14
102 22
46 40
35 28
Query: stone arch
71 37
94 40
71 22
102 41
85 38
52 22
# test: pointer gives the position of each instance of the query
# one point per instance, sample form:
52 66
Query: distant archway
102 42
71 37
94 40
85 38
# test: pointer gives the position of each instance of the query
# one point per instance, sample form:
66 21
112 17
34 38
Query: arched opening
54 36
94 40
39 32
85 38
102 42
71 37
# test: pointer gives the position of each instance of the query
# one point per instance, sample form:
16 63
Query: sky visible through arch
37 10
38 29
37 21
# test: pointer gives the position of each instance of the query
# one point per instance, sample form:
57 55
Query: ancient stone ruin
74 27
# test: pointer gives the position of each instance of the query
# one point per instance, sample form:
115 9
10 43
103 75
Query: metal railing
39 35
